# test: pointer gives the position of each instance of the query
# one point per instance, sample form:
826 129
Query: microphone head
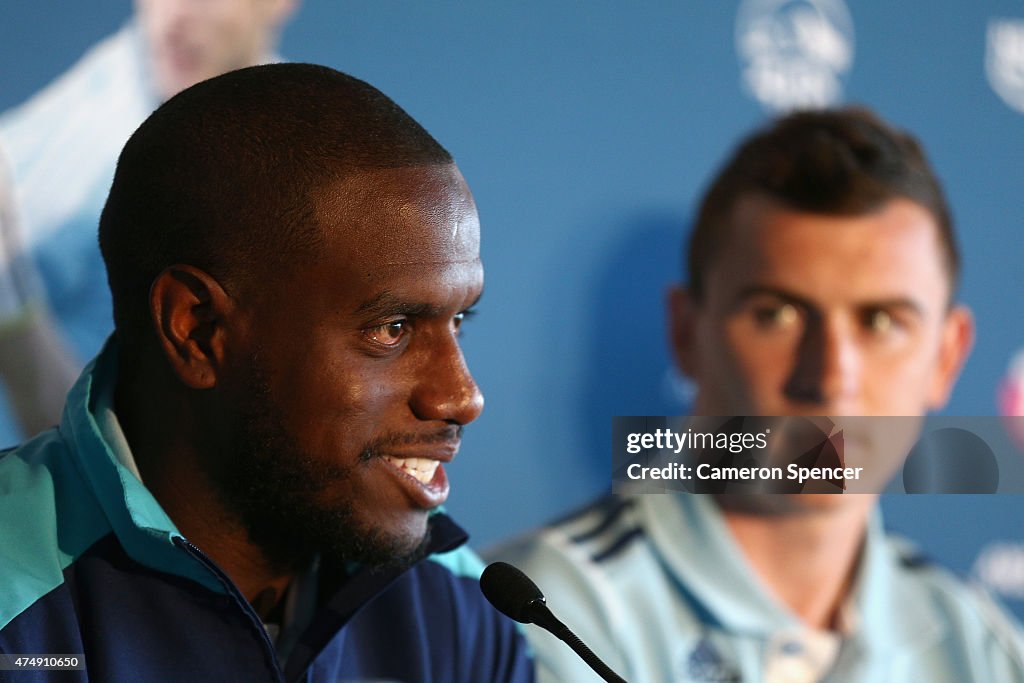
511 591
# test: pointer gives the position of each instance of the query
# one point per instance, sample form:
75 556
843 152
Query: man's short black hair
225 176
844 162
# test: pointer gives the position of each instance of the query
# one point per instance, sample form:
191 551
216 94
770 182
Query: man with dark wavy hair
247 480
822 278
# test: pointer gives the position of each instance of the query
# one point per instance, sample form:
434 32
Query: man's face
188 41
351 388
807 314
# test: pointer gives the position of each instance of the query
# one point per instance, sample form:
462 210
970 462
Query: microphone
517 597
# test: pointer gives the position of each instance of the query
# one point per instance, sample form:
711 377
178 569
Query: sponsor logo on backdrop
1000 566
794 53
1004 60
1011 399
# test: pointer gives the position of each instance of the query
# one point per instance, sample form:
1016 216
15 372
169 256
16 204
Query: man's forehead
762 226
402 216
864 255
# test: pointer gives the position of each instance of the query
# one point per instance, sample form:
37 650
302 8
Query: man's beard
277 492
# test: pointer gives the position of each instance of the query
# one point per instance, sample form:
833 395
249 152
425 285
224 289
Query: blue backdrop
586 131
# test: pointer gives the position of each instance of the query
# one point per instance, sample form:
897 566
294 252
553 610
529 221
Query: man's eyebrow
886 303
894 304
388 303
752 291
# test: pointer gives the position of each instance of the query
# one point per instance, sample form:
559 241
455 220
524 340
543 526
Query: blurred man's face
350 389
807 314
191 40
823 315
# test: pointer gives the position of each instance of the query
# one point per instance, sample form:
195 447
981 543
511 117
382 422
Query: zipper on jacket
270 653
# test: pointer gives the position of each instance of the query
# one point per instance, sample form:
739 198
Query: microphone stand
540 614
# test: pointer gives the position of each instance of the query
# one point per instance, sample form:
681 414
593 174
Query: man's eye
462 317
775 317
388 334
879 322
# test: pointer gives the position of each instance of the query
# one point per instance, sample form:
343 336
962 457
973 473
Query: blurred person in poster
823 271
37 381
1011 399
64 141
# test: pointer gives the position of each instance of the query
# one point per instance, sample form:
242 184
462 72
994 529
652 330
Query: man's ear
954 347
681 311
189 308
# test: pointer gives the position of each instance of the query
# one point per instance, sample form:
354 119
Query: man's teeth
420 468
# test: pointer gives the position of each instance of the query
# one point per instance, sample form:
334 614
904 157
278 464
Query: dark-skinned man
245 484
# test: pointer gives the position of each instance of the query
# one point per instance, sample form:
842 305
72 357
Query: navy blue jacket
90 565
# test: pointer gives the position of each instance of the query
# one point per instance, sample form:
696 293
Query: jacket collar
143 528
358 585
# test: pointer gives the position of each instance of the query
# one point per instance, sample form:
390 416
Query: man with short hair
63 143
822 273
246 481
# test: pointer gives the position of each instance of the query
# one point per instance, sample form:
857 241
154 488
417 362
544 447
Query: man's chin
378 547
291 531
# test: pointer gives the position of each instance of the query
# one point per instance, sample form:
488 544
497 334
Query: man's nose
446 389
827 368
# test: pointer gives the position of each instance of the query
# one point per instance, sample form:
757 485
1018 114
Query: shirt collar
699 550
883 612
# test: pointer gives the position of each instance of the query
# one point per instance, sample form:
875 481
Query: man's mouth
421 469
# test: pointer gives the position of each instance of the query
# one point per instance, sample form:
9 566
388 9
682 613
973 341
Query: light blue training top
657 586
